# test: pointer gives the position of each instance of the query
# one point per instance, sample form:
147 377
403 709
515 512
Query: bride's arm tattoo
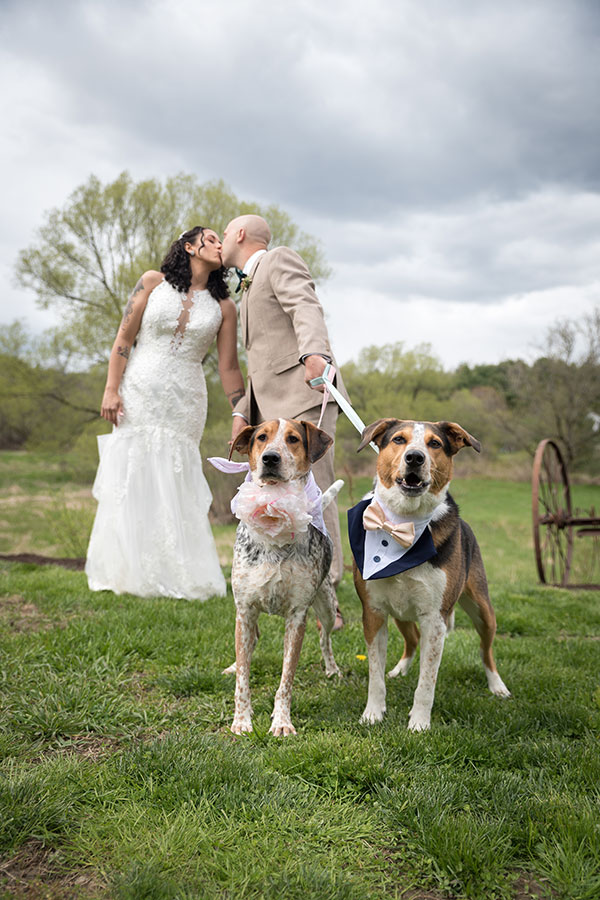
128 312
124 351
139 287
235 396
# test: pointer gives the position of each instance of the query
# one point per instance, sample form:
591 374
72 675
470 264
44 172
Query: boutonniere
245 283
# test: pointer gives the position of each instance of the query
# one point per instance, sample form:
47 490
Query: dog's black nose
414 458
271 458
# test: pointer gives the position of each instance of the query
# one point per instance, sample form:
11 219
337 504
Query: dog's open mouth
411 483
267 477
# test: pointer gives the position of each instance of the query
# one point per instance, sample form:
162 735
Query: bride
151 535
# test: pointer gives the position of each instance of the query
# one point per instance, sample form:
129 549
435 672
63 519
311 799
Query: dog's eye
261 437
399 439
292 439
435 443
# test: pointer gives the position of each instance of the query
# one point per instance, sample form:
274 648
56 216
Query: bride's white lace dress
151 535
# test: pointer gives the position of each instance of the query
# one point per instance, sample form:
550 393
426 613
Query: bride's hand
112 406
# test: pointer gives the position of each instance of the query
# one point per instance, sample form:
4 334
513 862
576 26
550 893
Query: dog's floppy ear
458 437
318 441
375 432
242 440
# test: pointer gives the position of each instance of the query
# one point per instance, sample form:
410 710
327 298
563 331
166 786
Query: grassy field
120 779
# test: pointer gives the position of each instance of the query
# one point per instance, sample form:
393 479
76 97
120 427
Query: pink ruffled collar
277 512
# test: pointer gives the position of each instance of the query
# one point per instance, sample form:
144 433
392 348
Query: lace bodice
164 386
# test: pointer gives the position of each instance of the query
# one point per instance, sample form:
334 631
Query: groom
285 336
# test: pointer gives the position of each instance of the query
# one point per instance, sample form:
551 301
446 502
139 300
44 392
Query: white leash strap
341 401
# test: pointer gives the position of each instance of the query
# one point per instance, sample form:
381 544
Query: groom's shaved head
243 237
257 230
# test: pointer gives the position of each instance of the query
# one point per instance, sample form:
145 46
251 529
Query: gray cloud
440 151
339 107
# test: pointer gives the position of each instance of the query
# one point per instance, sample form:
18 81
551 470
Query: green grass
119 777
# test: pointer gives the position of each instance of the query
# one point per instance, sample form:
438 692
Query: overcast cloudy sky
445 153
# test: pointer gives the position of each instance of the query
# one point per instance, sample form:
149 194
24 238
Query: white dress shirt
251 260
380 547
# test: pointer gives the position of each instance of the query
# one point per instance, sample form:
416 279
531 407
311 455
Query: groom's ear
242 440
318 441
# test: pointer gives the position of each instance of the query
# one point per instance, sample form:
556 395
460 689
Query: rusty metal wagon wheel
552 515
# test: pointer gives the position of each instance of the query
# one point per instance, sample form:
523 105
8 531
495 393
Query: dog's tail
332 492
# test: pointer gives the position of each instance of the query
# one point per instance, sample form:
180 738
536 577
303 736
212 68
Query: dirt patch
17 614
529 888
32 874
526 887
86 746
412 892
75 563
562 636
418 894
71 499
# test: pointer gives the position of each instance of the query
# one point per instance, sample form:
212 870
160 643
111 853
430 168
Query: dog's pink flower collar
279 511
276 511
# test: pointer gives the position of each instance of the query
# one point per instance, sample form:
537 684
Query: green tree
88 255
562 388
42 402
552 397
17 409
390 381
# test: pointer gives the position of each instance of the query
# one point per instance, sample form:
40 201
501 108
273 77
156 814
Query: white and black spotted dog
279 571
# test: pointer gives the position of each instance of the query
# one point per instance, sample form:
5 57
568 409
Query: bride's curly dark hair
177 269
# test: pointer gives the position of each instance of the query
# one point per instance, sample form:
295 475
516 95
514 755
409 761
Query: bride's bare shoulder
152 278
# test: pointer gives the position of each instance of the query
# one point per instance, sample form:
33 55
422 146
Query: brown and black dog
422 583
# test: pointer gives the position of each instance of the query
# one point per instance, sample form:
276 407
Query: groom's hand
237 425
314 366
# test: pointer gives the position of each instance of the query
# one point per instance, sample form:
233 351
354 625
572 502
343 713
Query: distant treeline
88 254
509 407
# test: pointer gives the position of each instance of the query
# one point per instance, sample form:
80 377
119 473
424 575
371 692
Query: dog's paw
332 670
372 715
281 728
401 668
419 721
496 685
241 726
230 670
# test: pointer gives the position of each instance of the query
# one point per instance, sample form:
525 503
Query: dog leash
327 380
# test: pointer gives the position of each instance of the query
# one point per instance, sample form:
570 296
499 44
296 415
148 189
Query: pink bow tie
374 518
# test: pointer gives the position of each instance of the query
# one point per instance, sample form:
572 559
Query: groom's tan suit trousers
281 321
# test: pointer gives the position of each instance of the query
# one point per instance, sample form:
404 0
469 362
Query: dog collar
313 496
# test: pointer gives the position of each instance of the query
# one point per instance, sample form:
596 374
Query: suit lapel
244 318
244 303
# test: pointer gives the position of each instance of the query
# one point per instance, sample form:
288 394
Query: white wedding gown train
151 535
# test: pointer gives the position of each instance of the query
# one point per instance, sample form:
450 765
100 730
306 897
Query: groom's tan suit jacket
281 321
